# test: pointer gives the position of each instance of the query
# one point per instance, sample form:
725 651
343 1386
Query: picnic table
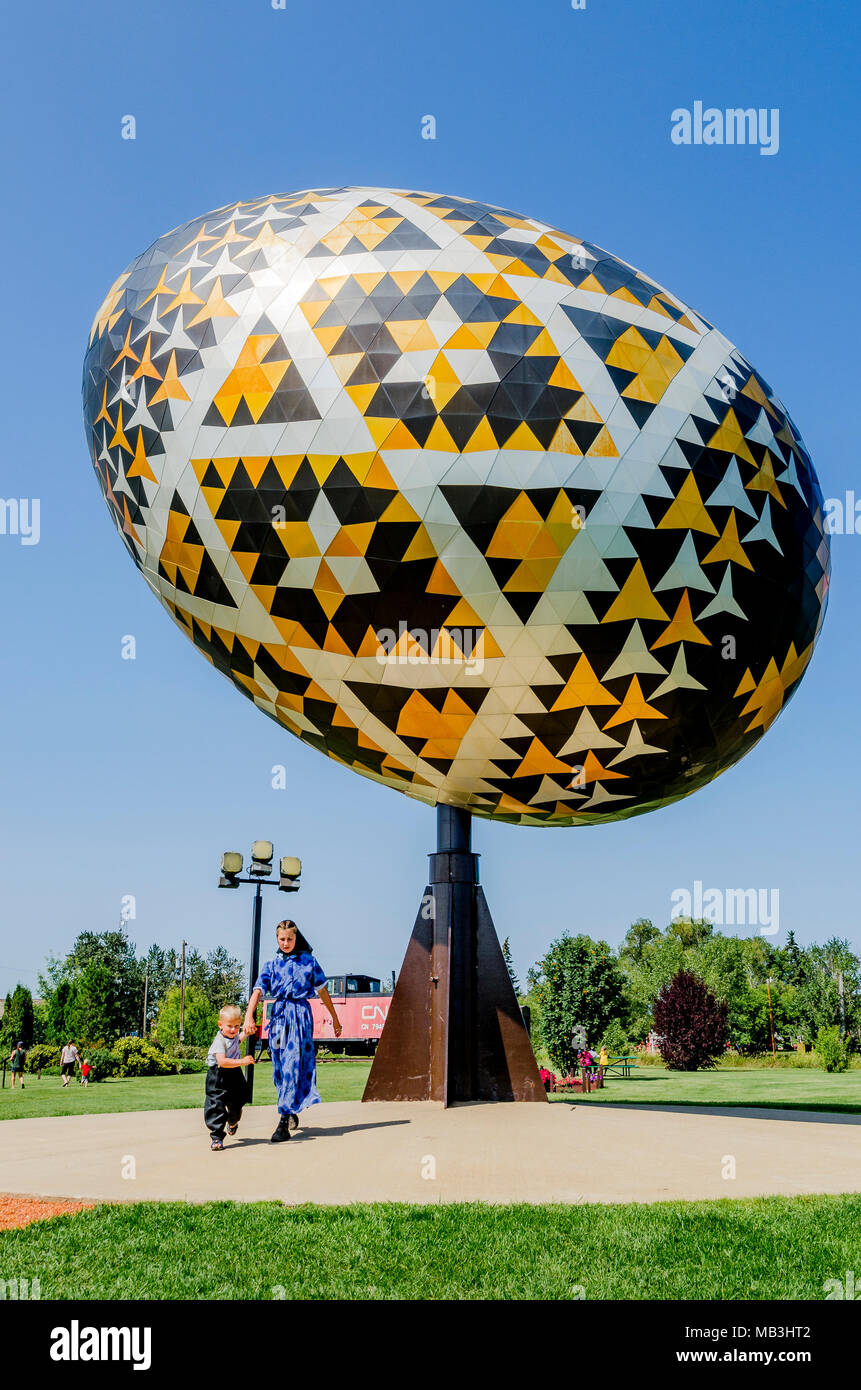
592 1077
620 1066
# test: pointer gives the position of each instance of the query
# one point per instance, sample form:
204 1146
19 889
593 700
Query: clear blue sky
131 777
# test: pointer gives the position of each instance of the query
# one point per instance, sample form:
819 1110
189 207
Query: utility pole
146 988
771 1017
182 995
842 1004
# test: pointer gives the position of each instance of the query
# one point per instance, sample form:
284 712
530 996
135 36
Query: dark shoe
216 1146
293 1121
231 1129
282 1133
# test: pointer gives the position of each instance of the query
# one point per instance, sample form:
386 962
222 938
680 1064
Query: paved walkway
349 1152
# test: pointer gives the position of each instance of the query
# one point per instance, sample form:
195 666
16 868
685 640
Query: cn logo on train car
362 1004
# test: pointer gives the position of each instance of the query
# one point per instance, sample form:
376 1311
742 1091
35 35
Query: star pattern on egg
468 504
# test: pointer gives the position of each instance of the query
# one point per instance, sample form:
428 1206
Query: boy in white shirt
226 1091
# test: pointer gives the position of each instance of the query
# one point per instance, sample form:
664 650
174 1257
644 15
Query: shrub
690 1022
756 1061
186 1050
138 1057
186 1065
103 1062
44 1056
831 1051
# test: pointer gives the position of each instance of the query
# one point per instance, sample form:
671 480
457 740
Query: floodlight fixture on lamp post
260 868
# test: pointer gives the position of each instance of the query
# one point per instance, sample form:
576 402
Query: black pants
226 1093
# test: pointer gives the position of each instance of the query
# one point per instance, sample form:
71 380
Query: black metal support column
454 1030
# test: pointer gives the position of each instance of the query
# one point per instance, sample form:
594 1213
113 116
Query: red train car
362 1005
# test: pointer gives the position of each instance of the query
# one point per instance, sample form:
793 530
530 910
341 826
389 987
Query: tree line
612 994
95 993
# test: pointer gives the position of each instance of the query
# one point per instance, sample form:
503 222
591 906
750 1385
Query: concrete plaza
350 1152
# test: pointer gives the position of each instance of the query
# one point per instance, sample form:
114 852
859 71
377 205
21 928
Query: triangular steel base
454 1031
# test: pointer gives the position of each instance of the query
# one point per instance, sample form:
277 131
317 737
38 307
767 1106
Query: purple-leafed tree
690 1022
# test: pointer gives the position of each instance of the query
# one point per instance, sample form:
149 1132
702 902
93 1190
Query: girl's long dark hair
302 942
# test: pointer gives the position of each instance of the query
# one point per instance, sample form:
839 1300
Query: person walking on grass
69 1059
17 1060
85 1073
226 1087
291 978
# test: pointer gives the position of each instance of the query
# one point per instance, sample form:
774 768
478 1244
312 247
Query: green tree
55 1005
638 936
95 1010
760 958
662 957
819 999
218 975
161 968
18 1018
580 983
615 1039
721 962
114 951
790 963
201 1018
690 931
509 965
54 986
40 1015
87 1005
818 1005
841 963
753 1020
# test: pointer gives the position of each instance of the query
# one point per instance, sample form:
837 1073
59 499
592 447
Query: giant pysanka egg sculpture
468 504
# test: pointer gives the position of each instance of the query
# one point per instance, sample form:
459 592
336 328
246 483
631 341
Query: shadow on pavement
334 1131
748 1112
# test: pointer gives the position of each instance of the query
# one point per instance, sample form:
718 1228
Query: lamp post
182 995
290 869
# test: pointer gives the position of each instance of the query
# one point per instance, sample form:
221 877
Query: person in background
17 1059
69 1059
85 1072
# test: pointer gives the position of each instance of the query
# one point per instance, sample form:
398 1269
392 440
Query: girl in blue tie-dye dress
291 979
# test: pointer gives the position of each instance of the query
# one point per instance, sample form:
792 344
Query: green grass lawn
338 1080
773 1247
800 1089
